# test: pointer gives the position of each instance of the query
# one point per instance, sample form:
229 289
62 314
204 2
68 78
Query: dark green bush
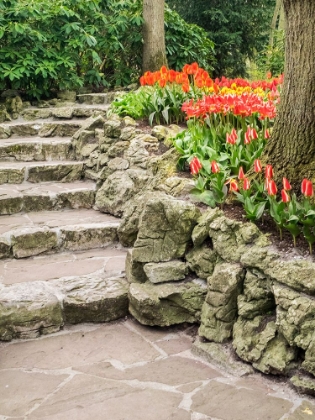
66 44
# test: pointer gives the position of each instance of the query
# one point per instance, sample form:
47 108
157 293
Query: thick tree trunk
292 147
154 55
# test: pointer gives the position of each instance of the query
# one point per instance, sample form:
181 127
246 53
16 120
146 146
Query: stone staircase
60 260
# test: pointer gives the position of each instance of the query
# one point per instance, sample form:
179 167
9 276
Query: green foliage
239 29
65 44
272 58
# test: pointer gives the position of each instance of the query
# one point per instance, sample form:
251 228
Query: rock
127 133
4 116
28 310
176 186
87 150
134 269
5 132
257 298
222 356
58 129
130 121
201 230
202 260
112 127
33 243
297 274
140 149
230 238
94 298
163 166
304 384
118 189
12 176
166 304
64 112
257 341
118 164
166 271
165 229
90 125
5 248
116 149
32 114
295 316
309 362
220 310
67 95
129 227
14 106
259 257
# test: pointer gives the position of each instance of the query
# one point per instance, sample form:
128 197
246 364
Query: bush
66 44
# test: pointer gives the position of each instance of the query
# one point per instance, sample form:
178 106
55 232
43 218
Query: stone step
41 128
36 149
34 172
34 233
39 294
29 197
97 98
65 112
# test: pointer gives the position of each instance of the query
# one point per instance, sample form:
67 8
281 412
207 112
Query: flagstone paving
125 371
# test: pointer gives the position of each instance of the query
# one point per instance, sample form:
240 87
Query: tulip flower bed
228 125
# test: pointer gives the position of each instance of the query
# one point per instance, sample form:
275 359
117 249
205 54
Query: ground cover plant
229 122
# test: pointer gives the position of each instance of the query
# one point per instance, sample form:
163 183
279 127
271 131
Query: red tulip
195 165
247 138
253 134
267 134
233 185
257 166
246 184
271 187
286 184
241 174
285 196
215 167
308 188
303 186
268 171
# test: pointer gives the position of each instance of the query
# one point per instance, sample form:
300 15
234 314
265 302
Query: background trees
240 29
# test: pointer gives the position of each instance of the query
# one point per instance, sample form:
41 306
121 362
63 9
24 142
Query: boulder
118 189
257 298
257 341
220 309
165 229
165 271
202 260
28 310
134 269
167 304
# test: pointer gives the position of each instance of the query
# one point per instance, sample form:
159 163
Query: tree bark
291 149
154 55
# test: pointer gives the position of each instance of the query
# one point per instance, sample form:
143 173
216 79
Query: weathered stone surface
118 189
257 341
63 172
309 362
5 132
163 167
257 298
260 257
27 130
134 269
67 95
90 124
230 238
176 186
28 310
112 127
140 149
64 112
12 175
118 164
165 229
88 236
295 316
304 384
129 227
297 274
166 271
222 356
33 243
37 113
5 248
220 309
201 230
166 304
60 129
127 133
116 149
94 298
202 260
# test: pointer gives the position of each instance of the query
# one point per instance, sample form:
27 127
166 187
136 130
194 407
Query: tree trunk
154 55
291 149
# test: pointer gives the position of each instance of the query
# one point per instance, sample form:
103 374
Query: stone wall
198 266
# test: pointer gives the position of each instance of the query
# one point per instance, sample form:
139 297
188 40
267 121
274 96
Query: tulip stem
294 241
311 248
